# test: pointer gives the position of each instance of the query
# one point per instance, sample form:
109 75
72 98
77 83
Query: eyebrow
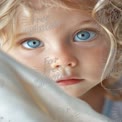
20 34
89 21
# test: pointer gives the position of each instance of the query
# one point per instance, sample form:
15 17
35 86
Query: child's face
63 44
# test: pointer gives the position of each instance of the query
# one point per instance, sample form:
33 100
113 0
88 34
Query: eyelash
27 39
86 29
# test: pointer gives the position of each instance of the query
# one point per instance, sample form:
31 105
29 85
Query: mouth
69 82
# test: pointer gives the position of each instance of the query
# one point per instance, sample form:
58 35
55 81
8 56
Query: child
74 43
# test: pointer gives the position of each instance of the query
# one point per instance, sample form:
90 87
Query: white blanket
27 96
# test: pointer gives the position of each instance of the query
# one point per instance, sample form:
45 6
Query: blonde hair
104 8
112 11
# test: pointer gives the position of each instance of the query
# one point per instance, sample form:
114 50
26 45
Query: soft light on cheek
94 62
20 57
92 71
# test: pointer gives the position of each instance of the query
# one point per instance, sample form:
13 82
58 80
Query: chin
76 94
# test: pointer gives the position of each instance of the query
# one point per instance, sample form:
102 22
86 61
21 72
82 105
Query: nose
64 58
64 62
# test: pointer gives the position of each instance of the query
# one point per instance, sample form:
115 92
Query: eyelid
24 40
87 29
96 31
28 38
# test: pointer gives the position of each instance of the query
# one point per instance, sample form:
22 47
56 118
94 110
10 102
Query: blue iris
32 43
84 36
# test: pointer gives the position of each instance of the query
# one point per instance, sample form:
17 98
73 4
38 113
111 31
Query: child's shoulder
113 109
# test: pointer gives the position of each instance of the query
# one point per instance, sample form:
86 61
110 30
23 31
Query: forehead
53 14
59 3
41 18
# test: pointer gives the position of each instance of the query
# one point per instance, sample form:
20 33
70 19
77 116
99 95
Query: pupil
34 42
83 34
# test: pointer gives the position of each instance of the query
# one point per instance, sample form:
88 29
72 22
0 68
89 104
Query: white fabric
27 96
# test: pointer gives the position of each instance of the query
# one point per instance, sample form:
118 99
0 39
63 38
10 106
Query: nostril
57 66
70 64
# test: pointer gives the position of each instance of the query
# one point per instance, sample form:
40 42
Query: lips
71 81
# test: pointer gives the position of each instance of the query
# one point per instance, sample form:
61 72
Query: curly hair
109 15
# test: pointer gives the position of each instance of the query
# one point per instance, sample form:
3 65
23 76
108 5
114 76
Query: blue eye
32 43
84 36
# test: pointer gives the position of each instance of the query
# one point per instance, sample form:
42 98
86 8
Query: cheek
94 62
32 60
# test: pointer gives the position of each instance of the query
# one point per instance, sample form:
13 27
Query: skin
59 54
